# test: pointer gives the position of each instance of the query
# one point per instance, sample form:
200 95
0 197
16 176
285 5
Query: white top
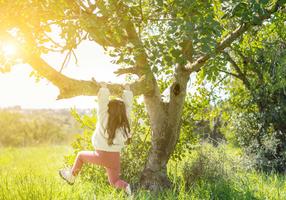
100 136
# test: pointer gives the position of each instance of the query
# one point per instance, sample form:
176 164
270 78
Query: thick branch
196 65
71 87
187 49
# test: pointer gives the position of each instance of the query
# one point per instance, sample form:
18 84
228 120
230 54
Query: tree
258 62
160 42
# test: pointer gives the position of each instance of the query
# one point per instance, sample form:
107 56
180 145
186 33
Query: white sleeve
127 97
103 100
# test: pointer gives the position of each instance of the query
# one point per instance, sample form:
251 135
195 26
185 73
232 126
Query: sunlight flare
8 49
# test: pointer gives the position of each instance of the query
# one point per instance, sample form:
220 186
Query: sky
17 88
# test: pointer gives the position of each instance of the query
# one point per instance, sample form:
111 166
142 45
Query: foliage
253 74
260 144
171 32
260 101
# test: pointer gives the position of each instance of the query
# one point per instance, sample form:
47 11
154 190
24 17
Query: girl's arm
127 97
103 100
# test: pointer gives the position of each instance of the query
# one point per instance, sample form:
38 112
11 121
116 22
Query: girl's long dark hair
117 119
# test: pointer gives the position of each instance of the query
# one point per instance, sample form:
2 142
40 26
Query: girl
112 132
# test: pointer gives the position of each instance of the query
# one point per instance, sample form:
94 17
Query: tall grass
224 173
32 173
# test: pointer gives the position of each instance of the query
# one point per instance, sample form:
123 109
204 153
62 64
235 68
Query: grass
32 173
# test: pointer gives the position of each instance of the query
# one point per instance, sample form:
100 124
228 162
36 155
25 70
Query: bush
261 142
210 164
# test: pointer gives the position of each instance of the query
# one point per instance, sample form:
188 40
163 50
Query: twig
66 60
54 42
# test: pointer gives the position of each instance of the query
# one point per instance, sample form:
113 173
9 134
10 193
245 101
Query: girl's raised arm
103 100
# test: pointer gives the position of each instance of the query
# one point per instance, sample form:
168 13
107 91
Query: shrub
261 142
210 164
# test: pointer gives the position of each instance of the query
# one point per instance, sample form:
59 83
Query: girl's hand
127 86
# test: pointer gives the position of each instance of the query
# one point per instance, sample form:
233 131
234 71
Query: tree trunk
165 124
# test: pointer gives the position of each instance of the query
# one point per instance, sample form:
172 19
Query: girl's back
112 128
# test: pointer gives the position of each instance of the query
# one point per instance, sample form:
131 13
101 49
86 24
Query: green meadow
32 173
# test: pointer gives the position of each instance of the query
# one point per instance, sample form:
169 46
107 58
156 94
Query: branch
249 60
66 60
241 75
229 73
141 58
216 84
71 87
53 41
187 49
197 65
129 70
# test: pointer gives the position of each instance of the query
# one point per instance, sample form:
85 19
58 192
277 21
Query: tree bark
165 124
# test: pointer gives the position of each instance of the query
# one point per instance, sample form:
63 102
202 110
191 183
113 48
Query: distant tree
159 42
